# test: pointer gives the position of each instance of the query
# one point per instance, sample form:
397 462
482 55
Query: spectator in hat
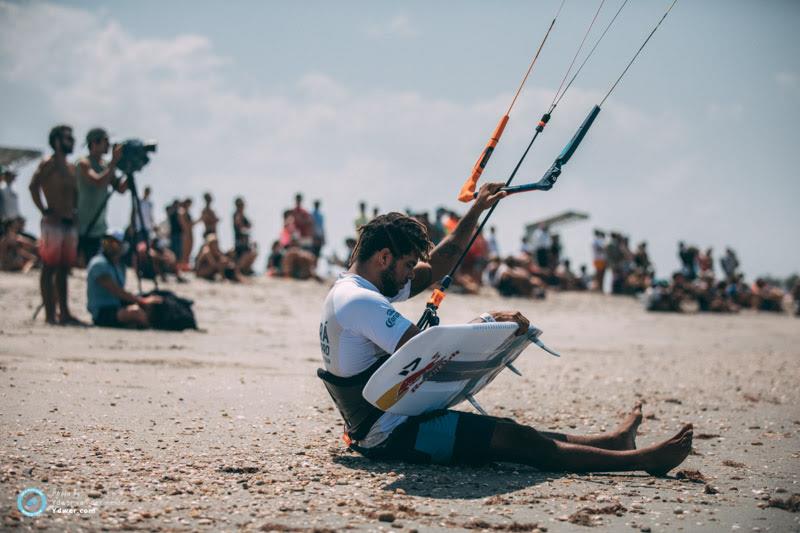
107 300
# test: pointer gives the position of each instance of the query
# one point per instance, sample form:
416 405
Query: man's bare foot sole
663 457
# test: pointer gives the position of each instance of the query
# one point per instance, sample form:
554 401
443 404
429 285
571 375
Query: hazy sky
391 102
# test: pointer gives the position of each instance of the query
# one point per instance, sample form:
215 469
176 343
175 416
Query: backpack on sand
173 314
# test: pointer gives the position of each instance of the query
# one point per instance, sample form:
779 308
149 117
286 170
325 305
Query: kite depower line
551 176
469 186
430 317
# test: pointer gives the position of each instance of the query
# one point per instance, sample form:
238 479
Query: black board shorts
107 317
440 437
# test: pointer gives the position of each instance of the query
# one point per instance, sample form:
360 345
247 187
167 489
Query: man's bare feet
69 320
628 428
659 459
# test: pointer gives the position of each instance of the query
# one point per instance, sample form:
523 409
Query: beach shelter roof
16 157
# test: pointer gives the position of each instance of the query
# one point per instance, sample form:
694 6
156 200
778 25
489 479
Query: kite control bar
429 317
468 189
551 176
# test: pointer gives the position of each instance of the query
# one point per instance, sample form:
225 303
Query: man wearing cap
9 202
108 302
94 176
55 179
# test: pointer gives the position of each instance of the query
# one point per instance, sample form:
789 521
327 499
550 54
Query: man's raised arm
102 179
447 252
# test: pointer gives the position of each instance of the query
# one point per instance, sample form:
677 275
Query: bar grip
573 144
468 189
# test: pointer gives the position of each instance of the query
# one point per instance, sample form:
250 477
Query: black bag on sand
173 314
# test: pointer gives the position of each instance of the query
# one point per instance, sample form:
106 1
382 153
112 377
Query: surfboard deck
441 366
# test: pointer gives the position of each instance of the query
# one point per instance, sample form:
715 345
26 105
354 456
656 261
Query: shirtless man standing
58 247
209 216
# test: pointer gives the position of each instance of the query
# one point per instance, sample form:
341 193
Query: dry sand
230 429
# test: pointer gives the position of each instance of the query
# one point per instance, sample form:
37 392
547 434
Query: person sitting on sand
210 262
511 278
720 302
394 261
108 302
298 263
739 292
162 261
14 256
27 241
567 280
704 290
767 297
275 260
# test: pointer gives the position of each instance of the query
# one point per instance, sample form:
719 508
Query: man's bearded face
397 274
390 286
67 142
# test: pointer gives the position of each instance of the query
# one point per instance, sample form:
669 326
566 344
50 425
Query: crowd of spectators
696 286
75 232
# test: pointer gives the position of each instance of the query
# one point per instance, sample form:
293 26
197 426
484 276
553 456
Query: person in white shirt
359 328
146 207
9 201
494 248
599 259
542 241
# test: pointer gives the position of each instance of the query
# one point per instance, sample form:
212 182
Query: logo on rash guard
392 320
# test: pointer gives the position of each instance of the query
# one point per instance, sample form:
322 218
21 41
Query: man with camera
108 302
55 178
93 178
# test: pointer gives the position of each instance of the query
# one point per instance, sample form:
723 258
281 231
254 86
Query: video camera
134 155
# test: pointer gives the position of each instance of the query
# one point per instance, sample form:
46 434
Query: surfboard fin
513 369
471 399
541 345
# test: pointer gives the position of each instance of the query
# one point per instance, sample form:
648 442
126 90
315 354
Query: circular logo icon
31 502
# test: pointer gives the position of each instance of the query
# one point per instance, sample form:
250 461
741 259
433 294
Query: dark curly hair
56 133
399 233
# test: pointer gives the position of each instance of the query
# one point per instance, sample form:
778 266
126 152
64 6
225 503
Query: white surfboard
444 365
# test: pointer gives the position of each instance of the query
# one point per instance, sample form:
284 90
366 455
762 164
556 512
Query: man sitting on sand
391 262
105 288
14 256
210 262
511 278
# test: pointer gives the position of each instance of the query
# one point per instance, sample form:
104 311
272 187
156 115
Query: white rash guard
358 326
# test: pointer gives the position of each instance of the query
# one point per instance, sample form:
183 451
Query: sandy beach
229 428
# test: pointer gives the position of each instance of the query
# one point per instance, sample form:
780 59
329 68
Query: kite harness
359 415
